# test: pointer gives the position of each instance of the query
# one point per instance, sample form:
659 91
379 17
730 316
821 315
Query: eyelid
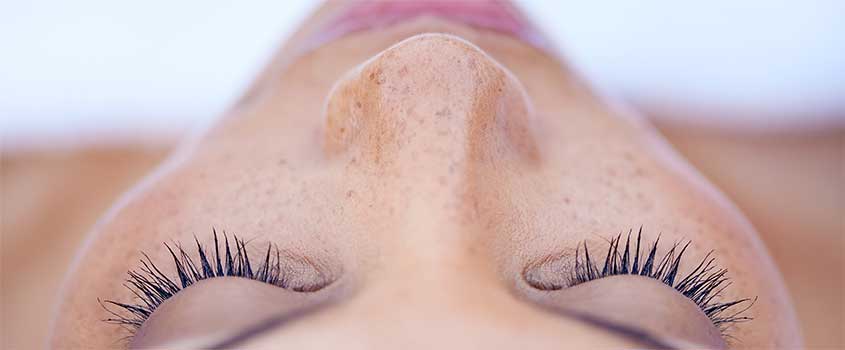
274 323
644 338
641 303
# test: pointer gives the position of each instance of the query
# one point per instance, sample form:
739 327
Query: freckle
566 200
357 104
282 161
342 130
350 193
377 77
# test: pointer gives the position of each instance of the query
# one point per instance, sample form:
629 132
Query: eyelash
703 285
152 287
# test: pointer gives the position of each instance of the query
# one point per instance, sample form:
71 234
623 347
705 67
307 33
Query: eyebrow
633 334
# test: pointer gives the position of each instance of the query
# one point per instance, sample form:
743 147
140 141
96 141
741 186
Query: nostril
429 91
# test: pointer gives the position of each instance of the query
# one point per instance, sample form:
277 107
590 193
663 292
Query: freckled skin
381 109
426 171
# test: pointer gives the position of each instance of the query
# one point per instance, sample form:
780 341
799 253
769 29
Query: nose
433 111
432 93
429 110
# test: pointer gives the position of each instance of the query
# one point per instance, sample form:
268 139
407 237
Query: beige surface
49 201
791 187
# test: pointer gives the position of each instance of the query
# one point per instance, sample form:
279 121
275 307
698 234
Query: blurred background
94 93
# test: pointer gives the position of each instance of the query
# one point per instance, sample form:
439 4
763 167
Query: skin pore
422 168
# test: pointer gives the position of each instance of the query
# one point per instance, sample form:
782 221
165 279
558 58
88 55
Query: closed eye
152 287
704 285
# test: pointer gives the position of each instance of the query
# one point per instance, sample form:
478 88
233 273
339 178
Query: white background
95 68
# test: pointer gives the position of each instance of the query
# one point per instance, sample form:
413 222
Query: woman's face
427 181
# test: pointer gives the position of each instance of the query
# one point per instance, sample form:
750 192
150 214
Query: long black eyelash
151 287
703 285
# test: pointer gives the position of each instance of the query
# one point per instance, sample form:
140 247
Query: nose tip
431 89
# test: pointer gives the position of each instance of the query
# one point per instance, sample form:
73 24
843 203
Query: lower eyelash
151 287
703 285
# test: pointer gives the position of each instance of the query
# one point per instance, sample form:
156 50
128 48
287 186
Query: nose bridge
431 96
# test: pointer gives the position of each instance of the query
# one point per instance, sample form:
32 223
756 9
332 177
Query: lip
495 15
